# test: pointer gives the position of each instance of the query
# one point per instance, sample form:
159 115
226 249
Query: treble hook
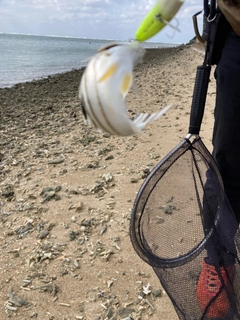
160 18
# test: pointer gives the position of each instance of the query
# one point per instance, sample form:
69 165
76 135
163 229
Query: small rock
168 209
16 300
157 293
108 177
8 191
43 234
125 312
109 313
109 157
49 193
56 160
73 235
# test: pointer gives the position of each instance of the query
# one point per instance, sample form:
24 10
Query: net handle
199 98
203 72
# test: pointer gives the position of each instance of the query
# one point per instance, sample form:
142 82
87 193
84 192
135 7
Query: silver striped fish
104 86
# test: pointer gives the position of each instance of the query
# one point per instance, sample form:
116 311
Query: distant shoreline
80 71
25 58
83 38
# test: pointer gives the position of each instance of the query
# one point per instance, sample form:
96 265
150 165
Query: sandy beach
66 193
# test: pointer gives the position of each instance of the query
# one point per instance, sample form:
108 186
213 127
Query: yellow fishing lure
158 18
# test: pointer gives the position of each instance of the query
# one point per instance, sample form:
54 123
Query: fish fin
126 84
142 119
110 71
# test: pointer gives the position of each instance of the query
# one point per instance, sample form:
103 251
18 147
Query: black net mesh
183 226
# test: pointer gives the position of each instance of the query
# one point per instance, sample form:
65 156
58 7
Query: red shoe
210 287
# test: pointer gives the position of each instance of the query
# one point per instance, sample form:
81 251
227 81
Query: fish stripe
93 117
103 112
87 103
109 46
109 73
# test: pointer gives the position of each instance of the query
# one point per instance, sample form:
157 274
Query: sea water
29 57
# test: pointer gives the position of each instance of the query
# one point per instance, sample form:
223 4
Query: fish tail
142 119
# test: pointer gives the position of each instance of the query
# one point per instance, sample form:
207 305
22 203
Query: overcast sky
106 19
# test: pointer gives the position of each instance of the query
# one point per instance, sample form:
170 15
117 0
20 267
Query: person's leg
226 135
219 224
214 288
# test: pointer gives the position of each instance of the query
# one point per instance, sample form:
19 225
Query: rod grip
199 98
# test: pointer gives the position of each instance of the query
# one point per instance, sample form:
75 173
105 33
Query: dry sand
66 194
